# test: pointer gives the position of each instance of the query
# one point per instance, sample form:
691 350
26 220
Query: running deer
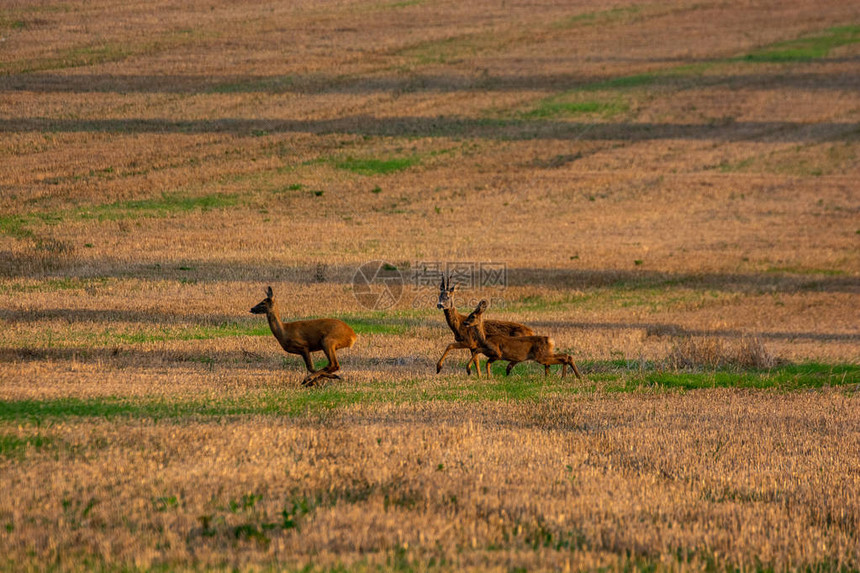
305 336
463 336
515 349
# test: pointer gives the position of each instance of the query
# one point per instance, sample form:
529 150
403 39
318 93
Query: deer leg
311 379
564 360
333 364
476 360
452 346
312 374
306 355
573 366
324 374
510 367
490 360
549 360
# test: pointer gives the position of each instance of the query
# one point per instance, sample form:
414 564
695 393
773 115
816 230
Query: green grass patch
147 334
370 166
796 270
737 166
18 226
143 334
290 403
12 446
402 4
625 82
810 160
102 52
808 48
648 293
15 226
785 378
610 16
799 50
448 49
110 407
275 84
553 107
362 326
377 326
515 388
295 403
7 22
55 285
677 75
537 302
203 332
531 385
167 204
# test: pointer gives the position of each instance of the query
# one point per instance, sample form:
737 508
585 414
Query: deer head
477 316
446 294
264 305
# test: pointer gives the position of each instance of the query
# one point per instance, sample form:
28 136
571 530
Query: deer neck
453 318
480 333
275 323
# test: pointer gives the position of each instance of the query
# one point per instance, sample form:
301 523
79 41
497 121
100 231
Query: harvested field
668 190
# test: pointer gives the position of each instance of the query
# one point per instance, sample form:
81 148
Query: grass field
669 190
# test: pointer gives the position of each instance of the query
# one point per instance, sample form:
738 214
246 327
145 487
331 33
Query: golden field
671 191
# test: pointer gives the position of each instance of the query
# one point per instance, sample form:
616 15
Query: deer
515 349
463 337
305 336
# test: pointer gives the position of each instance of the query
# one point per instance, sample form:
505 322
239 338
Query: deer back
506 328
521 348
311 334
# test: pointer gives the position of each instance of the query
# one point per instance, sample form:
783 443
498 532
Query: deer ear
483 305
269 292
442 286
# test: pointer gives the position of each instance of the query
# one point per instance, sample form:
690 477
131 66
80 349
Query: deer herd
495 339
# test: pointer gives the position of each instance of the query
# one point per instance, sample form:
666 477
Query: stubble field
669 190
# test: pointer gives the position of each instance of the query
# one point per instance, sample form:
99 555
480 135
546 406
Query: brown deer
462 336
515 349
306 336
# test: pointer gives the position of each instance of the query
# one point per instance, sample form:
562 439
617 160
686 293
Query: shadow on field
89 316
259 276
454 126
125 355
162 327
271 360
642 279
441 83
676 330
122 352
226 326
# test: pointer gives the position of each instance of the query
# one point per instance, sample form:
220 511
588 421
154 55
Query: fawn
306 336
515 349
463 336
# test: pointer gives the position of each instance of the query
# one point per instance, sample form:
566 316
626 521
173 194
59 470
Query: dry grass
672 189
699 352
704 480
